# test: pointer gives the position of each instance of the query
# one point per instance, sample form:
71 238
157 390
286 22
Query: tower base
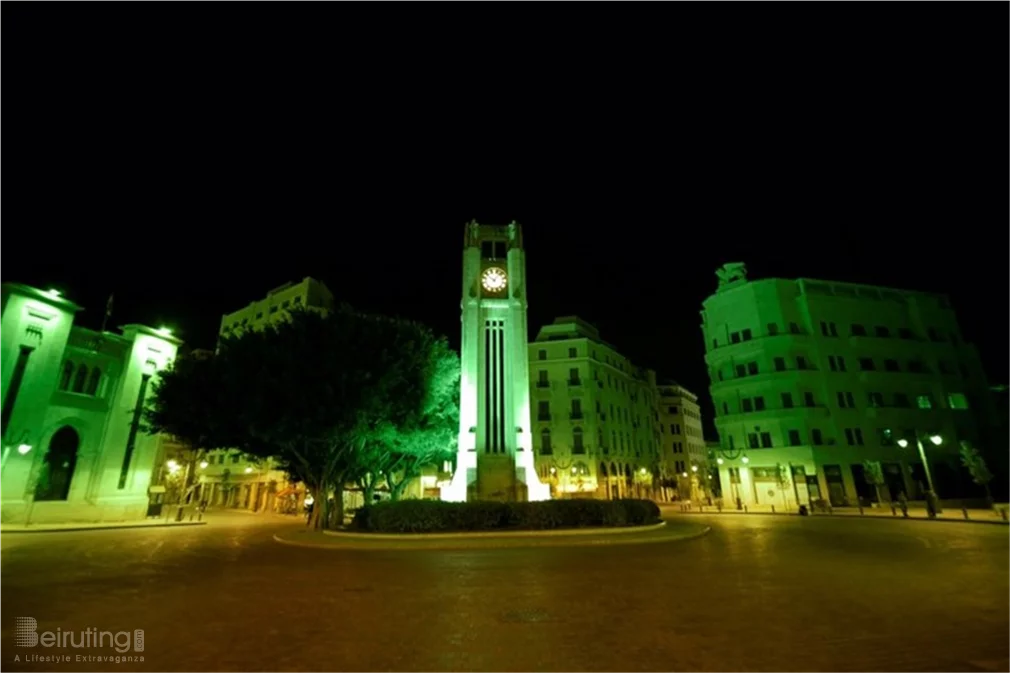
499 478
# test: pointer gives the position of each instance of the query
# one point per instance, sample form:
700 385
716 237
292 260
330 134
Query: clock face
493 279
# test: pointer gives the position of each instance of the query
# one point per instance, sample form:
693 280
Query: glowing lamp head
903 443
745 460
694 468
936 439
204 464
248 470
164 331
24 448
172 466
54 293
684 475
719 460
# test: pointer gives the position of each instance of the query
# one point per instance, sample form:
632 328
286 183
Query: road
758 593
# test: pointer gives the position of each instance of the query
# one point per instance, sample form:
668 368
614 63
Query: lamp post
937 440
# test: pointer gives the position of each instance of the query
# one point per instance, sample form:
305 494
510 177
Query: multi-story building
309 293
74 446
818 384
228 478
683 456
594 414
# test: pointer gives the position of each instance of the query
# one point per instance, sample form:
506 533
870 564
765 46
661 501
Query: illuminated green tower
495 460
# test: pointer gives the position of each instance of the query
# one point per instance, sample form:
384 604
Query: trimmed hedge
436 516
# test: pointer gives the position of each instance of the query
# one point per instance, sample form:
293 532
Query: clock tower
495 460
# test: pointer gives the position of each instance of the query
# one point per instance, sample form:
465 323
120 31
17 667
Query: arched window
58 465
545 442
68 373
577 444
81 379
93 381
580 470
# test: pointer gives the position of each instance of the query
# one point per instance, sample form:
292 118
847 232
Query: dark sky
191 157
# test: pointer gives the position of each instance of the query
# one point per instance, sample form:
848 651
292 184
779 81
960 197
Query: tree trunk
336 519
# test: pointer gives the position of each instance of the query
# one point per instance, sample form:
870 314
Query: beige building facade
821 388
596 429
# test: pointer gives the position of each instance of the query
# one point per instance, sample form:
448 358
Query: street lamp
937 440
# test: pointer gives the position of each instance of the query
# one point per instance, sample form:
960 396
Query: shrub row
433 516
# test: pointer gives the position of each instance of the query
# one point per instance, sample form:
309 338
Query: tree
311 391
873 473
977 468
411 437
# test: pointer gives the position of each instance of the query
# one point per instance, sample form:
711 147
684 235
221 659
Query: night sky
189 161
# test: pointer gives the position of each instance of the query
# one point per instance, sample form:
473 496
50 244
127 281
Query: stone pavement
993 516
101 525
664 532
757 593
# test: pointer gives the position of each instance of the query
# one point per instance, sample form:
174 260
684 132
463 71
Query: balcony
576 416
572 383
543 384
797 411
543 417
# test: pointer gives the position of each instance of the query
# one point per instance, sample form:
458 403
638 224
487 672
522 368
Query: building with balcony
816 384
594 414
683 455
74 448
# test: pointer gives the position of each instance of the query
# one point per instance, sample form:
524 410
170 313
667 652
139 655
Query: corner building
595 418
74 447
811 378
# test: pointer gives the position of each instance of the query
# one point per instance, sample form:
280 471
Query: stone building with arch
74 448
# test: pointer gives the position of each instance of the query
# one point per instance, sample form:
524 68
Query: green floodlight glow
164 331
54 293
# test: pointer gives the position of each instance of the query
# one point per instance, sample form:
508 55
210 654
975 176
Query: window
854 436
673 410
93 380
858 330
576 409
882 332
545 442
752 368
577 445
891 365
916 367
734 337
794 438
286 303
875 399
273 309
866 365
766 440
259 316
746 335
905 333
573 376
794 328
759 403
543 411
752 440
747 404
541 354
235 458
780 364
836 363
542 381
68 373
957 401
296 300
801 362
845 400
816 437
808 399
741 371
901 400
924 401
572 353
773 329
829 329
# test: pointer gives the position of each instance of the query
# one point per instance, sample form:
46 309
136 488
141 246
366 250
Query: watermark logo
27 634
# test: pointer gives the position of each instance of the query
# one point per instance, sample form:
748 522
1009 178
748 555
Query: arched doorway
58 465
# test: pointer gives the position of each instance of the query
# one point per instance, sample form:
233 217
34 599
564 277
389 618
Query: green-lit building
811 379
74 449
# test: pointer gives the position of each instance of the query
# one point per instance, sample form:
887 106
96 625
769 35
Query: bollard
1002 513
719 507
894 512
773 509
745 509
964 510
860 509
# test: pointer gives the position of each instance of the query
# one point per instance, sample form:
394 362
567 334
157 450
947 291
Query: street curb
487 543
489 534
112 527
845 516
